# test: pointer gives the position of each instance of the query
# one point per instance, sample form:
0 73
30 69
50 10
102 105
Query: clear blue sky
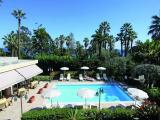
81 17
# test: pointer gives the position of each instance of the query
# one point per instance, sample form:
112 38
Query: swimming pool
112 93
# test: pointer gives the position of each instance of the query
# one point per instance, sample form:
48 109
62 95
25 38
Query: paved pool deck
13 112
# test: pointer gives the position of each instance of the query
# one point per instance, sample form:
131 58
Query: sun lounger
46 85
31 99
105 77
61 77
89 78
10 100
81 77
40 91
2 106
141 79
34 84
98 76
68 77
3 103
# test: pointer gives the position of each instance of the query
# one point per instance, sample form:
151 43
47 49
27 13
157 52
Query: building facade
15 73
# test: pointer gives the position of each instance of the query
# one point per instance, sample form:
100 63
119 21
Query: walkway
13 112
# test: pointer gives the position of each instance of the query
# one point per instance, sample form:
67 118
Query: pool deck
13 112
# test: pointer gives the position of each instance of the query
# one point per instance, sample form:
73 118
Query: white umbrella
86 93
138 93
51 93
84 68
64 68
101 68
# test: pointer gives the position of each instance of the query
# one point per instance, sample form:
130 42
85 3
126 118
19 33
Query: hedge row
74 114
42 78
150 112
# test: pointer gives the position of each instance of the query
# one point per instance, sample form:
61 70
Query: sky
81 17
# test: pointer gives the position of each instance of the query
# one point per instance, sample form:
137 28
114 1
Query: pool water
112 93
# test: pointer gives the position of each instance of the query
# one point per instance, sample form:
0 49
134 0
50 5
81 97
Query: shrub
42 78
150 72
148 112
79 114
154 95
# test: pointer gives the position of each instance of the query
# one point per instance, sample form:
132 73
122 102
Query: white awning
29 71
7 79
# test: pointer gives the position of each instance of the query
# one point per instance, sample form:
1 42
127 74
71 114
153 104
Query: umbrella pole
63 74
85 103
51 103
57 104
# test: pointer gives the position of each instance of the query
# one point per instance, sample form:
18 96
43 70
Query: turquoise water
112 93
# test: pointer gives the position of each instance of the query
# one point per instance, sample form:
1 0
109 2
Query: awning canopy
29 71
10 78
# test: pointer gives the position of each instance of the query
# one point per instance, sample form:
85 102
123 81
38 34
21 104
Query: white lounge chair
89 78
68 77
61 77
81 77
98 76
105 77
141 79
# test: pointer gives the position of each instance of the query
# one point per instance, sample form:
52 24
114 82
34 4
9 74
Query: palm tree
79 48
133 36
19 14
111 42
120 38
86 43
101 35
154 28
57 42
94 47
10 41
62 40
127 35
69 42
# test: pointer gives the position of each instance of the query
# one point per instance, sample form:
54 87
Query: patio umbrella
86 93
138 93
101 69
64 69
51 93
84 68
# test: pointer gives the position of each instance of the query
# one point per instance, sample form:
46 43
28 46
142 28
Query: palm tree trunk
19 25
121 49
131 45
61 49
12 52
125 48
99 49
110 46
